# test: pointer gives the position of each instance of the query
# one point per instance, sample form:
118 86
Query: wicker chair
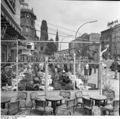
87 105
4 107
111 109
4 111
96 110
22 97
13 108
65 95
110 96
79 101
42 106
68 108
32 99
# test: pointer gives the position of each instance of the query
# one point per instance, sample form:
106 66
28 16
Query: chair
110 96
13 99
71 103
68 108
42 106
13 108
112 109
22 97
4 107
116 106
96 110
87 105
65 95
79 101
32 99
4 111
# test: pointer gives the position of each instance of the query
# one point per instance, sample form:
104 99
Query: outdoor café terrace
61 102
56 86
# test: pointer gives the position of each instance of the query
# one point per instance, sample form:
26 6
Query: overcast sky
67 16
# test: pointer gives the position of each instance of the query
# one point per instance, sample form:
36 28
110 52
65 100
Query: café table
54 99
98 100
4 101
40 97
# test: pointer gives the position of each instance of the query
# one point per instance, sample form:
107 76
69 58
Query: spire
44 31
57 37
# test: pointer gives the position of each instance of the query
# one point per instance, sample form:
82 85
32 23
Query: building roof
110 29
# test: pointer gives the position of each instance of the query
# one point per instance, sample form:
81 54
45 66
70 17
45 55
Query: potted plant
108 91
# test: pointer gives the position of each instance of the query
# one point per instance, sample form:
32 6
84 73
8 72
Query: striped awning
13 27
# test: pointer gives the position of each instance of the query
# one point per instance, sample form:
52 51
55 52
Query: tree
50 48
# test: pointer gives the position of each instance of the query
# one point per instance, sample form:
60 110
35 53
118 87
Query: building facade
111 37
10 29
83 49
28 23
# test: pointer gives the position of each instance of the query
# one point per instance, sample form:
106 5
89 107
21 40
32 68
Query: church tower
57 40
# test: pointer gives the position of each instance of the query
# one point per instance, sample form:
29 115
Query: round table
40 97
54 100
98 100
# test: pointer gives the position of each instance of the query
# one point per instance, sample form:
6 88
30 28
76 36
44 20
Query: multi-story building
94 48
10 29
83 49
111 37
27 24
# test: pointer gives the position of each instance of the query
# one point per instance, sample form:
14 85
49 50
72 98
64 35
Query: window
28 16
32 23
29 46
26 29
4 53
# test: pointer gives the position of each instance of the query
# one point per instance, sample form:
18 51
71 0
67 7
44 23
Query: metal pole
74 71
82 26
100 71
17 66
119 76
46 75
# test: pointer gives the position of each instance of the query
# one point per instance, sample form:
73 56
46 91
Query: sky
67 16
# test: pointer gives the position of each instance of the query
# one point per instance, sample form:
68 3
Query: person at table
6 77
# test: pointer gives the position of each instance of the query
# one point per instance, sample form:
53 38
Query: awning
12 27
